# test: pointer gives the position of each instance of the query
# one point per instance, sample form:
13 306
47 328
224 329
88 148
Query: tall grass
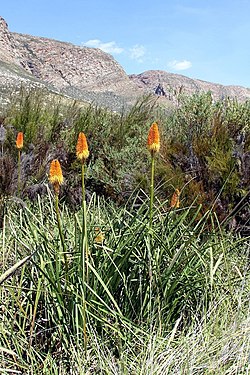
200 278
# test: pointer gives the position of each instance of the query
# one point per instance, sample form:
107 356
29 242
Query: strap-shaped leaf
13 269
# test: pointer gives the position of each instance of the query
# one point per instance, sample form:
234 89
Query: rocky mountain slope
87 74
83 73
171 85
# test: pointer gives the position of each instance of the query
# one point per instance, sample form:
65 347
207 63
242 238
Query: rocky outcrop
175 84
83 73
12 73
7 48
65 65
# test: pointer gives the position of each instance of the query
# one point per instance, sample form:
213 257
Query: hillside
83 73
87 74
174 84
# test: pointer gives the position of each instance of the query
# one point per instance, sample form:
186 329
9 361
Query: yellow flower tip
153 138
100 236
19 140
175 200
82 150
55 173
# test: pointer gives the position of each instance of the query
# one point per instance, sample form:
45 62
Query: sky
204 39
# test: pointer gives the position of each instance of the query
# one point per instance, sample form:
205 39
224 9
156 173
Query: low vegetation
131 260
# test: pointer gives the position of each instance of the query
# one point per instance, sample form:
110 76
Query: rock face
174 84
83 73
64 65
12 73
7 47
87 74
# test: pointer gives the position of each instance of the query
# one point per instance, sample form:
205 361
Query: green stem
85 337
19 173
150 270
84 257
85 252
61 232
151 190
83 185
151 255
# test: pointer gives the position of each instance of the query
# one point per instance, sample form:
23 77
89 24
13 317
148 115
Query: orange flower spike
19 140
153 138
175 200
55 175
82 150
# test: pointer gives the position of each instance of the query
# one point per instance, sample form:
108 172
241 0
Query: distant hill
87 74
174 84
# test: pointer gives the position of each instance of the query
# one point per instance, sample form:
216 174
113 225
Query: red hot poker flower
82 150
153 142
55 175
175 200
19 140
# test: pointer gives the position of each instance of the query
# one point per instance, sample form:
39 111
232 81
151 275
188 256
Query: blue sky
205 39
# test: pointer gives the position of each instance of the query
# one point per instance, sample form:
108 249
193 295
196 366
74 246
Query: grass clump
199 291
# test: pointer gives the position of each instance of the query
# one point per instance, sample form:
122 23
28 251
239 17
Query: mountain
87 74
174 84
83 73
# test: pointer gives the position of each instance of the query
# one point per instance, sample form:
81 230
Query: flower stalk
153 144
19 146
82 153
56 179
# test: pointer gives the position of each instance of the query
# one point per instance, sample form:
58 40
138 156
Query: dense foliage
205 150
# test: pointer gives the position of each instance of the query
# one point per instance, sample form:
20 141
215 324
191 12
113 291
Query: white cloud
109 47
137 52
193 11
180 65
